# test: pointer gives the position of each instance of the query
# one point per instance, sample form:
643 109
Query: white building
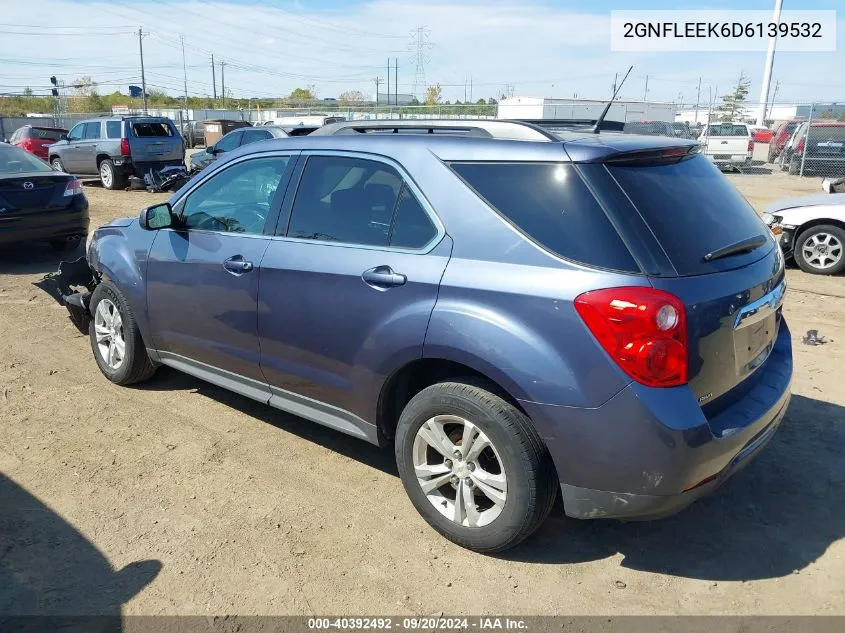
775 114
544 108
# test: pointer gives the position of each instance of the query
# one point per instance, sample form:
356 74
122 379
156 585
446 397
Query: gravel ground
177 497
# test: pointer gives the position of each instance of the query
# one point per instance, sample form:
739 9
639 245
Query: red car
780 136
35 139
763 135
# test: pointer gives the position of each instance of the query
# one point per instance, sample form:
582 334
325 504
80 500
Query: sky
541 48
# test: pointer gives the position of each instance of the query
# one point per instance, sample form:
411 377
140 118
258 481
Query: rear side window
252 136
113 129
412 228
551 205
690 207
45 134
151 129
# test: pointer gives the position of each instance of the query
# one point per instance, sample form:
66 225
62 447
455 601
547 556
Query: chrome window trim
406 178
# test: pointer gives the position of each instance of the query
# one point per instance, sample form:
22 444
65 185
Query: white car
811 230
729 145
834 185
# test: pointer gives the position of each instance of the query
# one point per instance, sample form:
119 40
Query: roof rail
484 128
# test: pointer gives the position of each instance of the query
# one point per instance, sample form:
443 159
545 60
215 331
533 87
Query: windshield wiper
743 246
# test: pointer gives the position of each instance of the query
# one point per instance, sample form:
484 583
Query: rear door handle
237 265
383 277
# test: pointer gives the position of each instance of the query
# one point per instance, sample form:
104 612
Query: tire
794 166
109 176
523 461
66 244
57 164
135 365
828 235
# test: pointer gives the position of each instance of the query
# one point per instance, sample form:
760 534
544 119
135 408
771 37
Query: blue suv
515 311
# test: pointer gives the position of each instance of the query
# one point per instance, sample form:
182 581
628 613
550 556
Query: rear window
827 132
728 129
17 161
690 207
45 134
652 128
151 129
551 205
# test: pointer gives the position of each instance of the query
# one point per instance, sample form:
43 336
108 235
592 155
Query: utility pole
697 99
388 81
184 72
465 89
645 92
767 70
420 43
470 88
143 78
223 82
615 77
396 81
213 78
378 83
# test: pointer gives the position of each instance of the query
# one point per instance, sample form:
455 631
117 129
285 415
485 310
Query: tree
414 101
733 101
432 95
492 101
83 86
27 92
481 102
302 94
351 97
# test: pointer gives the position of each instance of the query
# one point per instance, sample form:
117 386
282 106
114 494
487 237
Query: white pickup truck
729 145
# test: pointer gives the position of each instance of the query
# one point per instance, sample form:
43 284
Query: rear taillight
124 147
751 145
27 145
644 330
73 188
799 149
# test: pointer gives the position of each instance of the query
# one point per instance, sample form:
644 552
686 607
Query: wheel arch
407 381
818 222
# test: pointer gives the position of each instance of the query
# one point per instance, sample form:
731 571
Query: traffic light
55 90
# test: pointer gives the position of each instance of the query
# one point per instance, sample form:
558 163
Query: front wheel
57 165
819 250
474 466
115 340
794 166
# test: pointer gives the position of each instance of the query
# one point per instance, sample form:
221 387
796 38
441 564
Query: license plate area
754 342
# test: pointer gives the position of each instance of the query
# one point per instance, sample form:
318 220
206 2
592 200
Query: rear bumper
141 168
648 453
38 226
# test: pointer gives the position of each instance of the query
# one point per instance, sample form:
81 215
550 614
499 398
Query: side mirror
63 137
158 216
210 149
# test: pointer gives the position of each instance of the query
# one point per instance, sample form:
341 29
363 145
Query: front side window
344 199
76 132
237 199
228 142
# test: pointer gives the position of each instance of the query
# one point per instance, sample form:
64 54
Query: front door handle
383 277
237 265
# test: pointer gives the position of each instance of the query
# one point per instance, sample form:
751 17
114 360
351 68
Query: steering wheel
244 218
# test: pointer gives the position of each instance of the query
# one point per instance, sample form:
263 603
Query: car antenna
604 112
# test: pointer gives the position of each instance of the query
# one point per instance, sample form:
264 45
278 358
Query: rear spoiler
576 125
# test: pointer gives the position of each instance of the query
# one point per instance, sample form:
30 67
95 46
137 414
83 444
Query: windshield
17 161
827 133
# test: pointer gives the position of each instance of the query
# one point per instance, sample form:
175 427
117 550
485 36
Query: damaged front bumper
72 286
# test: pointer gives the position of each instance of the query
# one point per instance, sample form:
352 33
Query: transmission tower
420 43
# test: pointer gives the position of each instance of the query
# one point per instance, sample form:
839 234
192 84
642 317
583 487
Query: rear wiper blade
743 246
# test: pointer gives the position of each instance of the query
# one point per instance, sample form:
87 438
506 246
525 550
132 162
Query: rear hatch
43 138
696 237
27 193
154 139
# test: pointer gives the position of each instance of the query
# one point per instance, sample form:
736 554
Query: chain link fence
816 146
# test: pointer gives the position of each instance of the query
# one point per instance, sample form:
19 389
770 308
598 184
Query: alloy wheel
822 250
459 470
108 327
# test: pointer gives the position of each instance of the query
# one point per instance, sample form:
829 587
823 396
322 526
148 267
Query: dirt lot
180 498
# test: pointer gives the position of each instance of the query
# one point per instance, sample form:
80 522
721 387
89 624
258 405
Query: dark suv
114 148
516 312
